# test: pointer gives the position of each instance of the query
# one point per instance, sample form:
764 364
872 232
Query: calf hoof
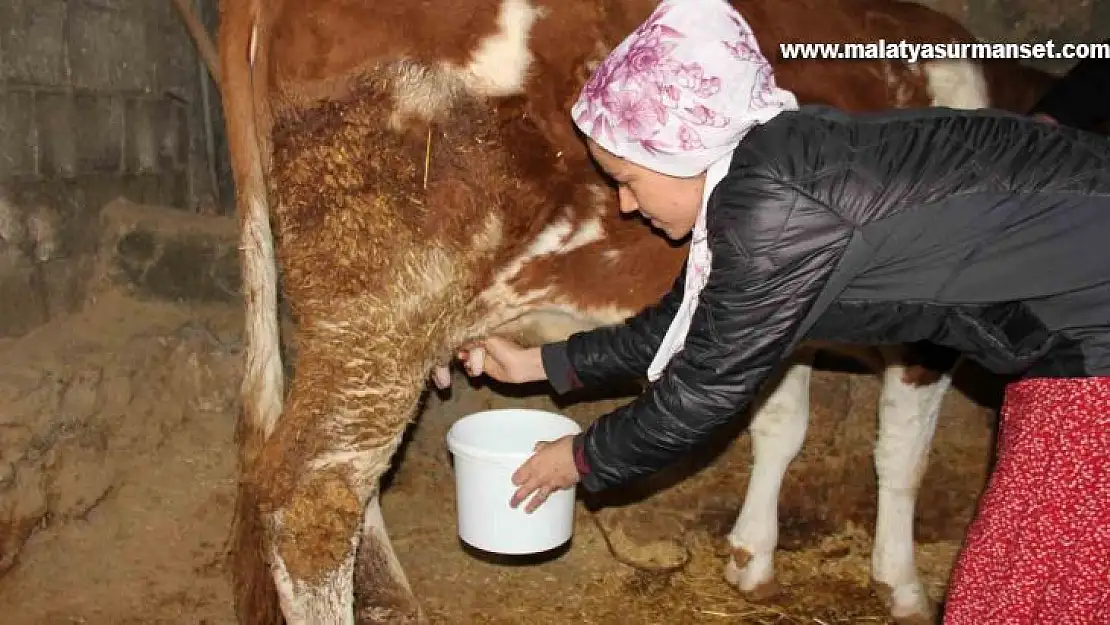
908 604
752 576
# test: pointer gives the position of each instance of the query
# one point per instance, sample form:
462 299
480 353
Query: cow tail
243 52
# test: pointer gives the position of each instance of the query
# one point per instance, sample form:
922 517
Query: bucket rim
457 447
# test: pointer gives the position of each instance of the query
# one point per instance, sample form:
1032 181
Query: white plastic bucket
488 447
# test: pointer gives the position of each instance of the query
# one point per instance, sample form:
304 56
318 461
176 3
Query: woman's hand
503 360
550 469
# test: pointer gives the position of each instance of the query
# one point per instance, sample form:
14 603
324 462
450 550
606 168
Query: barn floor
116 465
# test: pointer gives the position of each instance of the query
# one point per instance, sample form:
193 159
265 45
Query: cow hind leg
778 430
382 591
329 532
316 482
907 422
312 547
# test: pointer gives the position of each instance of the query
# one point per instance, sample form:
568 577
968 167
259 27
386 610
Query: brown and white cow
425 186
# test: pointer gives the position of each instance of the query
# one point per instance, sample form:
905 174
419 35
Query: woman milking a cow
978 230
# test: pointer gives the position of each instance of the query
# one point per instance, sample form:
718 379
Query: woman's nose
627 200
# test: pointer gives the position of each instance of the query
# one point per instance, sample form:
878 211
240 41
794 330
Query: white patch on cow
559 237
544 312
327 601
490 236
287 594
549 240
500 65
611 255
902 91
957 83
778 430
263 379
423 93
590 231
907 421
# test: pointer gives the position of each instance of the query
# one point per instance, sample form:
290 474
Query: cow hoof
753 576
763 592
908 603
757 593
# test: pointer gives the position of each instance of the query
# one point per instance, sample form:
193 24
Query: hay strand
427 156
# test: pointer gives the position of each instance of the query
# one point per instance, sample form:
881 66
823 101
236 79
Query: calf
425 186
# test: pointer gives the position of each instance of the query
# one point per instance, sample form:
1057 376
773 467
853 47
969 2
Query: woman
978 230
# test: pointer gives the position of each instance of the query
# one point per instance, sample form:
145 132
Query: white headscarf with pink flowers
677 96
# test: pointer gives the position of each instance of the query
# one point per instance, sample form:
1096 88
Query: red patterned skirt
1038 551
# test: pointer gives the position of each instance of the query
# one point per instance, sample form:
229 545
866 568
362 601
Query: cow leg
313 565
907 421
317 480
331 525
778 430
382 590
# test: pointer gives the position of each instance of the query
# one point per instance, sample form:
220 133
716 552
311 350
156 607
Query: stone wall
1032 21
98 99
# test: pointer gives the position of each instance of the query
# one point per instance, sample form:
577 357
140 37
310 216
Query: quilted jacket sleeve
773 249
623 350
1079 98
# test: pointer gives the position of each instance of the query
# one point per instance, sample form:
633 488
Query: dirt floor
116 487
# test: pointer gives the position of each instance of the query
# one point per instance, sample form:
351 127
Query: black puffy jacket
982 231
1081 98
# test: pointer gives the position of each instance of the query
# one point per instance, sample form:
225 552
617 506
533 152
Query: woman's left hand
550 469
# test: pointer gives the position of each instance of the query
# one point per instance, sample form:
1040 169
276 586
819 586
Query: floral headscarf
677 96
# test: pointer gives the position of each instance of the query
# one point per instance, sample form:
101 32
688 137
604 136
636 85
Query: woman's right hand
503 360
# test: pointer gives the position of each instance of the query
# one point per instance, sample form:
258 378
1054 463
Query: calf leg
778 431
907 421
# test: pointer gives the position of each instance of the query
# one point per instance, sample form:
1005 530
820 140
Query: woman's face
670 203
